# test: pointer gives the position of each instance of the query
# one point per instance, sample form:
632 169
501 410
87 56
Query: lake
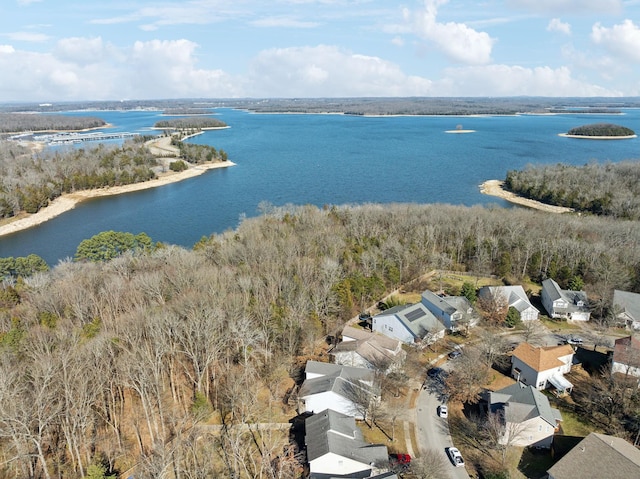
324 160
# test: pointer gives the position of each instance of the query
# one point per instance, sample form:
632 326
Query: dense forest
190 123
122 363
601 129
610 189
19 122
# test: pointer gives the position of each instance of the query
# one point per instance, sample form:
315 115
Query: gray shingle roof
522 403
598 456
332 432
416 318
628 303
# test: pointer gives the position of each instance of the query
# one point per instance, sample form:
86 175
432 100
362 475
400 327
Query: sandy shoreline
68 201
494 188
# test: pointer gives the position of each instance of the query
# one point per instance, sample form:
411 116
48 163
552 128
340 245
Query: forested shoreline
113 363
196 123
20 122
608 189
31 180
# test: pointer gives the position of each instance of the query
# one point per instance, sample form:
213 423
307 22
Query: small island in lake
600 131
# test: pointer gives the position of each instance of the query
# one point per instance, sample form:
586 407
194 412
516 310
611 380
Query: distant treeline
19 122
610 189
362 106
187 111
190 123
28 182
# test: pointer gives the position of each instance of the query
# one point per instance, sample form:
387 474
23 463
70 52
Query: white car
455 457
443 411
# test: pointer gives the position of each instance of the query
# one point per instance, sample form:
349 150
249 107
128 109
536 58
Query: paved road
432 432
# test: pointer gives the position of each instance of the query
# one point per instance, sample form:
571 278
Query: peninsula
494 188
161 147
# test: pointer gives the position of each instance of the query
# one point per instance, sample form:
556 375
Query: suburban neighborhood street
432 432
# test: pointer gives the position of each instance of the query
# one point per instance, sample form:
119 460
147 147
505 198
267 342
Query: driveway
432 432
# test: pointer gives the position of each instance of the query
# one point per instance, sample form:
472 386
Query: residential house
452 311
409 323
365 349
514 297
626 357
336 448
563 303
598 456
542 366
344 389
626 306
525 413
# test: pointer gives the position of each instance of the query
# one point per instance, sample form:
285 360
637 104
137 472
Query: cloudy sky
54 50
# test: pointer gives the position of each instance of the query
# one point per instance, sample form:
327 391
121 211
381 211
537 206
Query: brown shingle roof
543 358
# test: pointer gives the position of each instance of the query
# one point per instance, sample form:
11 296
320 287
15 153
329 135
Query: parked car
400 460
574 340
455 353
455 456
435 373
443 411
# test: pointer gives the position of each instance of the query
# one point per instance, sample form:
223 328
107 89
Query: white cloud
88 68
28 37
622 40
283 22
456 40
28 2
556 25
328 71
80 50
507 80
573 6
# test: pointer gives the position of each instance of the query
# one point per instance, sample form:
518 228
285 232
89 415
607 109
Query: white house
626 357
563 303
514 297
344 389
527 417
450 310
409 323
336 448
542 366
626 306
365 349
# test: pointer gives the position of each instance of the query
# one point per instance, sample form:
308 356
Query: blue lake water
324 160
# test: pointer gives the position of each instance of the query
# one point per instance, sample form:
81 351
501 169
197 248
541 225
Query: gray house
452 311
528 418
564 303
598 456
627 308
409 323
336 448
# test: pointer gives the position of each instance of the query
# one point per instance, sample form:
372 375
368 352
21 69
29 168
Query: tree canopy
601 129
110 244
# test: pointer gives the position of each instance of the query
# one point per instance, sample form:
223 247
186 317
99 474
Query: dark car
454 354
434 373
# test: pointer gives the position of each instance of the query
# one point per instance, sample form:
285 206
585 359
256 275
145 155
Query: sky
75 50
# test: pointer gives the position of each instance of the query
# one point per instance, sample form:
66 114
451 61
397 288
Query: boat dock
72 137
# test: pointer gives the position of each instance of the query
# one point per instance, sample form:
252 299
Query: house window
540 428
390 329
541 384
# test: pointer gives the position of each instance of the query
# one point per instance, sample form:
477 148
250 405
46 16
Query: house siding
332 463
390 326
